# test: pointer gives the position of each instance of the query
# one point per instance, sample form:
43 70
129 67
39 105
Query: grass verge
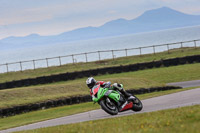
139 79
52 113
182 120
92 65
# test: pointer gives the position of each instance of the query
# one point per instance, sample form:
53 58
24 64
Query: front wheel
109 107
137 104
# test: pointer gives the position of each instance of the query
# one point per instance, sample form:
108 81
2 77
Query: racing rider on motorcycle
91 82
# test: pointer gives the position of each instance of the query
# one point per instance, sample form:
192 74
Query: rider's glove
107 85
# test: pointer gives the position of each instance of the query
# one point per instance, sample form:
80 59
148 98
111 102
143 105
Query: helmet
91 82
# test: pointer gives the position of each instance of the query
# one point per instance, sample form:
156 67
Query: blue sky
50 17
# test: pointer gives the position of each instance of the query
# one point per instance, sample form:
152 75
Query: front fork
107 100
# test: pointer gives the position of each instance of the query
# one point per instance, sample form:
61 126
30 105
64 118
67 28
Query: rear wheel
109 107
137 104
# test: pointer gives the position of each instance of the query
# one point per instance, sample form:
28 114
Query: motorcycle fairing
126 106
114 95
95 89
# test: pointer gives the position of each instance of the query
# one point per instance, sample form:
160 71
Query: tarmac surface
175 100
186 84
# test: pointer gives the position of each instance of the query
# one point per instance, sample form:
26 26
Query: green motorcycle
113 101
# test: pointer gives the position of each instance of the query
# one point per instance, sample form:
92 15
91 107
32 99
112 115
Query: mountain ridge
151 20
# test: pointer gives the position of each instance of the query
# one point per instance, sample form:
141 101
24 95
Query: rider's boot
126 94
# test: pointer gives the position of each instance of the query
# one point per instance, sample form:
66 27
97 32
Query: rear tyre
110 107
137 105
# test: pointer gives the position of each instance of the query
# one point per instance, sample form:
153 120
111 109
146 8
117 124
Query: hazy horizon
49 17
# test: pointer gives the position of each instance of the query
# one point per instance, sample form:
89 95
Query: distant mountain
152 20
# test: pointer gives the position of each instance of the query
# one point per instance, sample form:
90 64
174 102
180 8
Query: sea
92 46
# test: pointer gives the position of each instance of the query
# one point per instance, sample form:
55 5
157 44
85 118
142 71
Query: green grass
52 113
41 115
92 65
131 80
145 78
181 120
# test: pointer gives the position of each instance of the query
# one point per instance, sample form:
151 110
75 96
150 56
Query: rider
91 82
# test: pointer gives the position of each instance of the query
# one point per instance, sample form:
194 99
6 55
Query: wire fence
93 56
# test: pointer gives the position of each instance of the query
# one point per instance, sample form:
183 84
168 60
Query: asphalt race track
186 84
180 99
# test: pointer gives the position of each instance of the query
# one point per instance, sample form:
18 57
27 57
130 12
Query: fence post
126 52
195 44
182 47
86 57
34 64
99 55
7 67
60 61
47 62
140 51
73 58
113 54
168 48
20 65
154 51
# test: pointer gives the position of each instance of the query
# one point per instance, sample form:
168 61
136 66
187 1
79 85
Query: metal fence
93 56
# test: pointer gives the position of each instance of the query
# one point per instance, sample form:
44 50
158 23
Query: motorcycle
113 101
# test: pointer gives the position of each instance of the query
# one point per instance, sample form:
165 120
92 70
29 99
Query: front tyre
137 104
109 107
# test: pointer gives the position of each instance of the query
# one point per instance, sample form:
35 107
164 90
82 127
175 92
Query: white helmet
91 82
